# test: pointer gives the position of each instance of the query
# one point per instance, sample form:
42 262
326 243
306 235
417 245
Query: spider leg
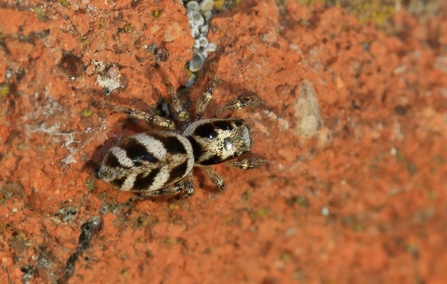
247 164
152 118
243 101
207 95
185 189
189 187
180 111
215 178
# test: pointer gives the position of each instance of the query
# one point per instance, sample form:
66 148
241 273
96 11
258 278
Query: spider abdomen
147 161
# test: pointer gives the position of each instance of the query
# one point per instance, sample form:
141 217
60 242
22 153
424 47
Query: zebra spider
158 162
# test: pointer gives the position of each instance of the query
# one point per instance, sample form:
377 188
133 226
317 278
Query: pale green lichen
432 195
109 77
370 11
127 28
90 184
264 211
285 256
169 241
156 14
246 195
84 42
20 146
173 206
102 24
65 3
86 112
40 12
4 90
377 12
301 201
223 5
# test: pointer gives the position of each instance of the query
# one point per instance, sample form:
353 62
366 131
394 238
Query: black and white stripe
148 161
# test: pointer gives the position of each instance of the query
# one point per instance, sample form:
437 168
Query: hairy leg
189 187
243 101
215 178
180 111
207 95
247 164
152 118
185 189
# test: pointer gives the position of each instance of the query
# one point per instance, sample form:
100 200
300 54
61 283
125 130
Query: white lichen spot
441 63
325 211
109 77
393 151
199 16
110 80
197 62
206 5
307 111
57 136
173 32
400 69
282 123
67 138
290 232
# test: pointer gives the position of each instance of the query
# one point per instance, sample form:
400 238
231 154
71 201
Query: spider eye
239 122
206 131
228 144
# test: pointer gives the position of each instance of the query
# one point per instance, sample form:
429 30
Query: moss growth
102 24
313 2
20 146
4 90
90 184
377 12
141 240
223 5
366 11
173 206
357 226
84 42
263 212
412 248
280 4
285 256
65 3
86 112
432 195
156 14
301 201
246 195
40 12
169 241
127 28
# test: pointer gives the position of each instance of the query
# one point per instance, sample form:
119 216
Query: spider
160 162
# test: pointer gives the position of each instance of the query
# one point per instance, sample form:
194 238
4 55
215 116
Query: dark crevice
88 230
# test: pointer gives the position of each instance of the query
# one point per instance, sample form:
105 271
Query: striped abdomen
147 161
